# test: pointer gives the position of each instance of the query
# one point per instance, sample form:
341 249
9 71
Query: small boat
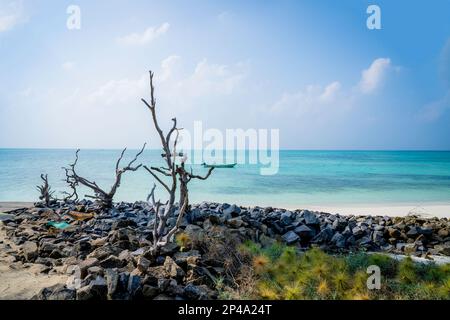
231 165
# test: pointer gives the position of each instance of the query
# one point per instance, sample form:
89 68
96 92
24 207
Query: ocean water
315 178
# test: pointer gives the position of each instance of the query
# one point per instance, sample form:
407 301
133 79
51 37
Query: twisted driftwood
171 172
103 197
46 195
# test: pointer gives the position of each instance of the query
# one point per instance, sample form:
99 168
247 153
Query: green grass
283 273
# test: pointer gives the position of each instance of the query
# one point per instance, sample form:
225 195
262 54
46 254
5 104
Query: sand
394 210
11 205
20 281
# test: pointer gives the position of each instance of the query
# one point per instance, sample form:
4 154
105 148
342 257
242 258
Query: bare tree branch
45 191
193 176
172 170
157 178
103 197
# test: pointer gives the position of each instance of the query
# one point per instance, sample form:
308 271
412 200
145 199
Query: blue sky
309 68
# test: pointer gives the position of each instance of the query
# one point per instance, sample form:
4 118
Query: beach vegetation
286 273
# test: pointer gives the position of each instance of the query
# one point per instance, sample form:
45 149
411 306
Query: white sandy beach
398 210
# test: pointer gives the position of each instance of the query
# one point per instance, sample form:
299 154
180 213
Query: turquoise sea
304 178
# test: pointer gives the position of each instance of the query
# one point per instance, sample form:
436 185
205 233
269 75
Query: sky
311 69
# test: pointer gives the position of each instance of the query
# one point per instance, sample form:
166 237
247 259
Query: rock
427 232
56 292
310 218
413 232
174 289
97 289
86 264
194 232
172 269
162 297
394 233
255 213
410 248
232 210
95 271
134 285
378 237
6 218
119 224
304 232
112 278
104 252
143 264
56 254
214 219
339 224
364 241
121 291
192 292
150 291
278 229
358 231
47 248
443 249
324 236
84 293
235 222
172 247
30 251
111 262
73 282
188 258
338 240
125 255
443 233
37 268
286 218
378 228
83 246
290 237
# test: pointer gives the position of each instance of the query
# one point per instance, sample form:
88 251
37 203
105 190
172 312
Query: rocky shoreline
107 255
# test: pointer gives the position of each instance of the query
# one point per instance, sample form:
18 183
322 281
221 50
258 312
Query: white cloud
434 110
330 92
206 81
314 99
311 99
118 91
373 76
168 67
213 79
11 14
147 36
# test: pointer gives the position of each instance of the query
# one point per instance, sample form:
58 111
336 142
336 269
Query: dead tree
73 184
185 177
167 177
46 194
104 198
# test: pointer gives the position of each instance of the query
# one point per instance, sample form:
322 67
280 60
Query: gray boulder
290 237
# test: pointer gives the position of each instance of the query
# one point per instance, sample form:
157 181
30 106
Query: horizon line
159 149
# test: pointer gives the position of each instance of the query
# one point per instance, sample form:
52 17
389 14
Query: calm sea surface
304 177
